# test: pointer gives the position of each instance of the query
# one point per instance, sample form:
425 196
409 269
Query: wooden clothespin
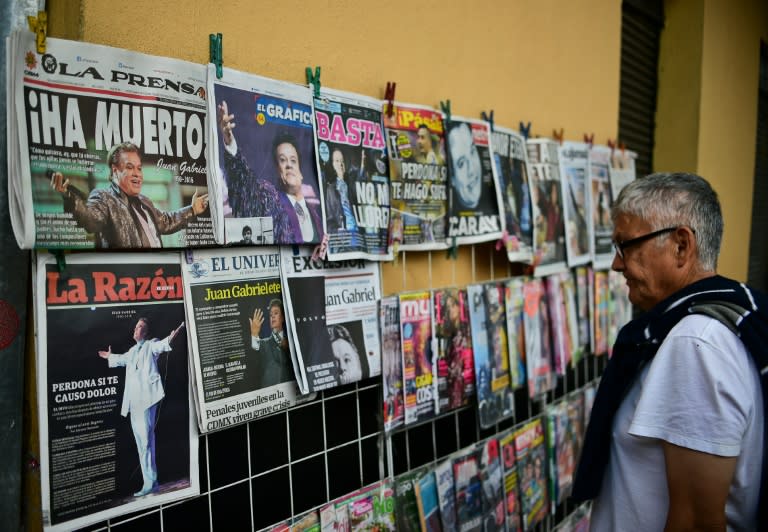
558 135
215 53
314 80
589 139
39 26
389 95
488 117
525 130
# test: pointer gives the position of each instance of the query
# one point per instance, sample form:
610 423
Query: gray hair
676 199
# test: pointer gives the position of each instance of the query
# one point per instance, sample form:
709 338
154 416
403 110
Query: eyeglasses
619 247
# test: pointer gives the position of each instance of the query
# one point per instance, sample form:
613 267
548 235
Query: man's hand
105 354
58 182
226 122
199 203
175 332
256 322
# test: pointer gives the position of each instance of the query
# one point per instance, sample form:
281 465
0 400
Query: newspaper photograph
574 165
262 153
601 200
513 193
418 175
547 205
473 206
354 175
117 432
111 148
240 354
333 311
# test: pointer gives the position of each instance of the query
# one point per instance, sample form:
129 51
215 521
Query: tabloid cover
110 149
600 201
547 203
538 344
473 206
562 343
601 309
426 499
574 167
446 494
263 165
583 307
622 169
418 176
514 301
241 361
468 485
454 367
531 457
354 175
112 370
416 335
511 493
620 312
513 192
496 316
391 363
562 456
493 486
406 504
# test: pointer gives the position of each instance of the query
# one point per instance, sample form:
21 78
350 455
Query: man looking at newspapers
142 394
274 364
121 217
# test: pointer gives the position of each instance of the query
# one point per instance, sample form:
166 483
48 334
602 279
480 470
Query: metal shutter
758 244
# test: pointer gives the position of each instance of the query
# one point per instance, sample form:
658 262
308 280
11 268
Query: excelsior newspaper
243 366
263 166
418 177
354 175
332 308
112 370
111 148
473 206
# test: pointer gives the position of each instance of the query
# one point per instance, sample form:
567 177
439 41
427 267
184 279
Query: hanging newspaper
332 308
110 148
513 193
547 205
241 361
622 169
473 206
262 152
600 202
112 370
418 177
354 175
574 165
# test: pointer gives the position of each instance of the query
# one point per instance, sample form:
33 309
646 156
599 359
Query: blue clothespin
525 130
39 26
445 107
314 80
61 262
295 249
188 256
488 117
216 56
389 95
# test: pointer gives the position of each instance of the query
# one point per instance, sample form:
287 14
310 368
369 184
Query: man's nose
617 264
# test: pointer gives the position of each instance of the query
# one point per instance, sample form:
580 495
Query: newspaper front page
574 167
242 363
600 201
112 370
111 148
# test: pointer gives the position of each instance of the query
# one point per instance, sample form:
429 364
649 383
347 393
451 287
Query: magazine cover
493 486
391 363
575 403
562 343
589 398
473 206
307 522
622 169
454 367
574 167
562 456
446 494
406 505
426 500
372 508
600 203
418 178
468 486
333 311
514 302
263 165
601 309
491 387
243 367
547 205
354 175
511 494
513 193
620 308
111 148
538 350
496 317
416 335
531 458
583 307
571 314
112 373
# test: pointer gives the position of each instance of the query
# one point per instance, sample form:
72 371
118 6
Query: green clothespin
314 81
445 107
216 55
453 250
39 26
488 117
61 262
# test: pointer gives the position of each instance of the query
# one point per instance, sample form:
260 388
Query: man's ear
685 242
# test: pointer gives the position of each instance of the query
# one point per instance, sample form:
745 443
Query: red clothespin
589 139
39 26
558 135
502 242
389 95
321 249
623 148
611 144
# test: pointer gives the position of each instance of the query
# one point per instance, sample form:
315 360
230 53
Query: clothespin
525 130
314 80
389 95
321 250
216 55
623 148
502 242
589 139
558 135
188 256
488 117
39 26
453 249
445 107
61 261
611 144
295 248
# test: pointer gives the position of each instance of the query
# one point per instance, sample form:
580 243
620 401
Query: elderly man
676 435
121 217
